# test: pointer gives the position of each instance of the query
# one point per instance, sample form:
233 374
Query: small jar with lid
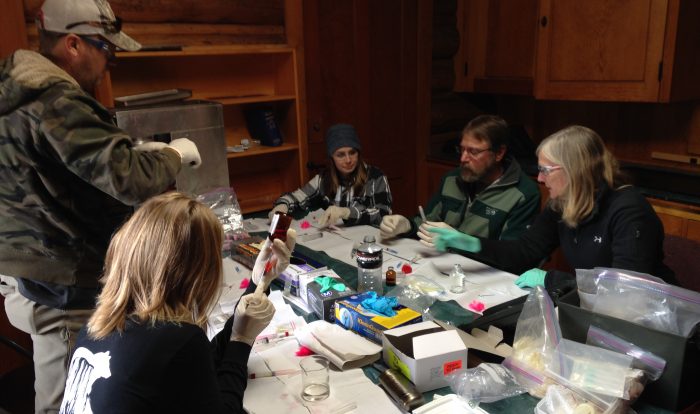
457 280
391 276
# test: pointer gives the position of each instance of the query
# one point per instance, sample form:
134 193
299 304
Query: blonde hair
164 264
587 163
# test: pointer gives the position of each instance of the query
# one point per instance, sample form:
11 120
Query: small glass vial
391 276
457 281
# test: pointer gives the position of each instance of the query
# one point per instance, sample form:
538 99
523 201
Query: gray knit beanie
341 135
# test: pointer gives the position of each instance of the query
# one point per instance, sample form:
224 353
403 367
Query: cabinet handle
543 21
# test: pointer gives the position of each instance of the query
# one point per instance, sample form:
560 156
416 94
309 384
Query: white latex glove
251 316
393 225
277 254
333 214
151 146
424 234
282 208
189 155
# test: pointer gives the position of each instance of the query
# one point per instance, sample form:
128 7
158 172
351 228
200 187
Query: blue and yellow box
350 314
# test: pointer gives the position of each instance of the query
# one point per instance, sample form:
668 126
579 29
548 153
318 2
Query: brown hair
489 128
356 179
164 264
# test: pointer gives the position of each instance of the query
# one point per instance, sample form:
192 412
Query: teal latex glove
456 239
531 278
327 283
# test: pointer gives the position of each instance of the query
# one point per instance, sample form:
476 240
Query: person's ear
500 152
72 45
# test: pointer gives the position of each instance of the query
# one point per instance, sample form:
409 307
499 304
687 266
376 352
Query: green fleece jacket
503 210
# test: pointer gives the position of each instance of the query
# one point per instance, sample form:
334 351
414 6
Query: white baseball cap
85 17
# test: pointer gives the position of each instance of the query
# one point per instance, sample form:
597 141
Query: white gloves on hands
251 316
282 208
150 146
277 254
393 225
189 155
333 214
424 234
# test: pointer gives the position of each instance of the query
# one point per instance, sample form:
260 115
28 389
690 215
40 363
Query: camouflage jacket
68 175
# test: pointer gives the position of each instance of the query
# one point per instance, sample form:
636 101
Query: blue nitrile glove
456 239
381 304
327 283
531 278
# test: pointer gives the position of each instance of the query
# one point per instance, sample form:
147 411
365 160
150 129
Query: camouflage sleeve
77 130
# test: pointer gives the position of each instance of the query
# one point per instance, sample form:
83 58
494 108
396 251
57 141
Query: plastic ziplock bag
647 366
597 370
587 282
417 292
223 202
649 303
562 400
537 332
485 383
652 365
533 380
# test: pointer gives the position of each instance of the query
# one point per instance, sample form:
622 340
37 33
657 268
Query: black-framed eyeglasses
547 169
106 47
109 26
474 152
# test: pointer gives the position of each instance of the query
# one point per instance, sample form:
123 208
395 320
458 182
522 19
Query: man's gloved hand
274 256
252 315
150 146
393 225
189 155
424 234
282 208
333 214
531 278
456 239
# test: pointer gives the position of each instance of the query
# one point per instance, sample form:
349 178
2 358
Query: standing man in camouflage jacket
487 196
68 179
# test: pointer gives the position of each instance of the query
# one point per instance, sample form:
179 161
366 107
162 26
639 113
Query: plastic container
369 266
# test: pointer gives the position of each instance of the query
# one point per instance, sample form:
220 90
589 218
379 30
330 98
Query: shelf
262 149
240 100
209 50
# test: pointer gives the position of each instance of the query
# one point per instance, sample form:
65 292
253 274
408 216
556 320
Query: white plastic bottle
369 266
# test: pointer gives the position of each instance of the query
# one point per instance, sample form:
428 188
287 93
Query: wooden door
600 49
362 65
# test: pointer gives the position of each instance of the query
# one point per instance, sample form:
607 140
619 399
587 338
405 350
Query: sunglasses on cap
109 26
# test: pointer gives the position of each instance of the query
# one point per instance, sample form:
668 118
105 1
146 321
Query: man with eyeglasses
68 179
488 195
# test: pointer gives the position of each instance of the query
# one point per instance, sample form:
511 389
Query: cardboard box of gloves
358 313
321 289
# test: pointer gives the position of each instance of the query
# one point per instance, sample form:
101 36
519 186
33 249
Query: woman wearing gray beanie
348 189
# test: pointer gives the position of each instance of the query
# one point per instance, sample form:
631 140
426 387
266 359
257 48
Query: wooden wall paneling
681 57
423 100
258 12
13 31
693 231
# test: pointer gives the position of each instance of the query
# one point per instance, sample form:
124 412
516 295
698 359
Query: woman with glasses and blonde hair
348 189
145 348
595 218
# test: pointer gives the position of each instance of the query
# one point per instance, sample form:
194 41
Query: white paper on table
483 283
284 320
343 348
282 395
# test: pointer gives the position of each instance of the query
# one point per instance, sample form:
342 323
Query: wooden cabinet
680 220
497 48
237 77
595 50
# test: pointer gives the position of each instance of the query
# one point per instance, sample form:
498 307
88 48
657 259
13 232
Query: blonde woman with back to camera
145 349
596 219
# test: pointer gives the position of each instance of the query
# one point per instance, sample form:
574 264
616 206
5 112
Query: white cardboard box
424 352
